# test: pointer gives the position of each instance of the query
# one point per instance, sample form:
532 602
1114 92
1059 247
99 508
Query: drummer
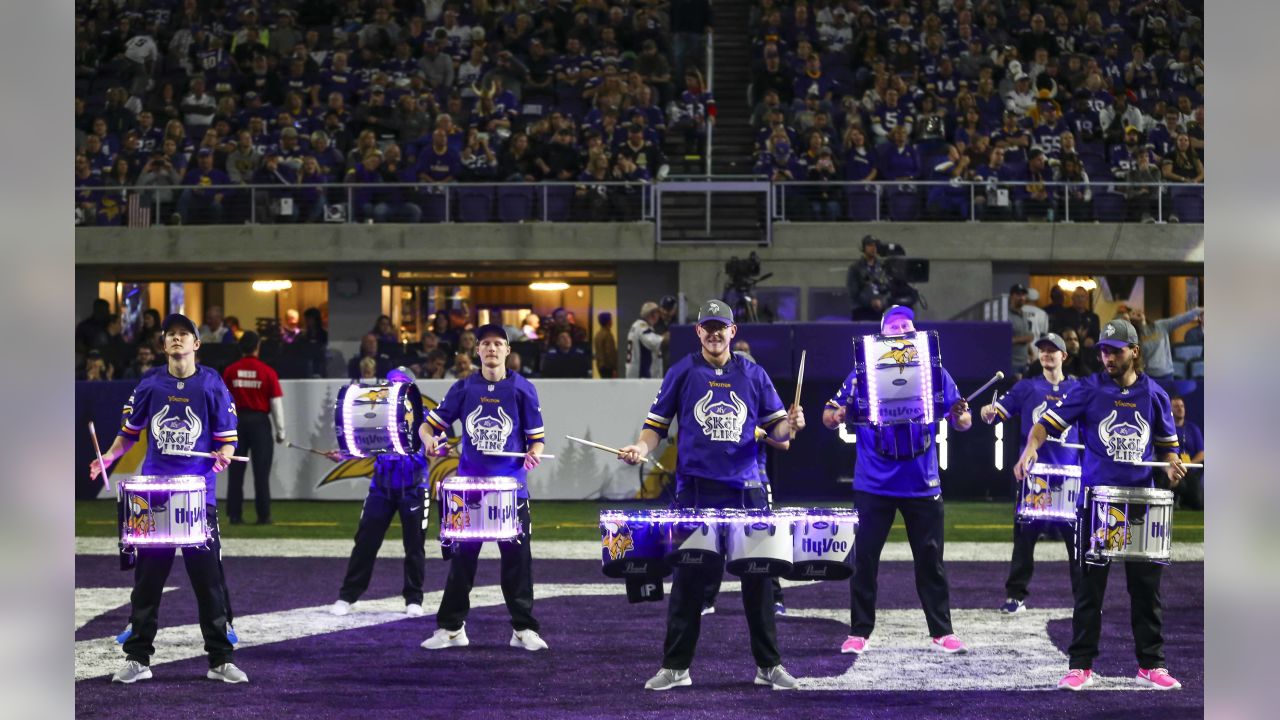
1122 412
885 484
184 407
397 487
500 413
1029 397
719 399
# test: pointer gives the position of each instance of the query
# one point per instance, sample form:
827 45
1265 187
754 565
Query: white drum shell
1131 524
479 509
164 511
1050 493
759 546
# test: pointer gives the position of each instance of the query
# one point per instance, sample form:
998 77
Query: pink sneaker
949 644
1076 680
1158 678
853 644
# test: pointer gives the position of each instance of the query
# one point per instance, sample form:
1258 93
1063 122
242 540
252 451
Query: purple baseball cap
896 310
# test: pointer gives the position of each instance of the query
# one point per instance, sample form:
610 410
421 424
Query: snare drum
899 391
1129 524
375 419
634 543
163 511
696 538
1049 493
823 543
478 509
758 543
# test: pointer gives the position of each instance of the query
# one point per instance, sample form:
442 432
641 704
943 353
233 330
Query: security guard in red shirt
255 387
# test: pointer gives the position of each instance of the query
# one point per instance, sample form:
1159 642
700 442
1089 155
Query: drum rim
1152 496
489 482
1076 474
160 478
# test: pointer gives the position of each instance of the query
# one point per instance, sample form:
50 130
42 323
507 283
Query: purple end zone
603 649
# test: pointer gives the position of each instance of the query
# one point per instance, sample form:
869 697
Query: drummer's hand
989 414
221 459
1024 464
961 407
95 468
795 419
1176 470
632 454
335 455
531 458
834 418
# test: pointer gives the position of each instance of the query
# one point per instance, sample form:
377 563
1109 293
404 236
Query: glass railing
610 201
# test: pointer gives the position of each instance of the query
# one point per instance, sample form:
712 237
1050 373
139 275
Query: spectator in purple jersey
369 204
204 201
890 114
1164 137
694 113
329 158
438 163
340 79
950 201
1047 134
1013 138
898 160
87 196
1083 119
1076 193
311 200
275 204
1125 157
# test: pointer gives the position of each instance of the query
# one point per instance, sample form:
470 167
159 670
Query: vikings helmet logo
140 521
616 538
902 353
721 421
1114 533
375 396
1037 495
456 516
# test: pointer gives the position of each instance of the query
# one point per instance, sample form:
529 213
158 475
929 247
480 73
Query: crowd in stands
1020 105
208 95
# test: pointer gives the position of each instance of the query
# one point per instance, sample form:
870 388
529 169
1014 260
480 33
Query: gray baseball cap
717 310
1053 339
1119 333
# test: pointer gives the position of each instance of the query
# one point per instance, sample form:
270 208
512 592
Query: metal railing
612 201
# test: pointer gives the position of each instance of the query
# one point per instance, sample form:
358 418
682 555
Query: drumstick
193 453
1065 444
310 450
98 450
608 449
505 453
800 376
1156 463
994 379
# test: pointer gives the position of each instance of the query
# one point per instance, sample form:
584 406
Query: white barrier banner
606 411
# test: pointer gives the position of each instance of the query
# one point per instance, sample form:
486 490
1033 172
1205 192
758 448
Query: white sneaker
340 607
528 639
667 679
227 673
447 638
414 610
132 672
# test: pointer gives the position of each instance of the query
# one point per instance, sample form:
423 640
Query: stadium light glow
272 285
549 286
1070 284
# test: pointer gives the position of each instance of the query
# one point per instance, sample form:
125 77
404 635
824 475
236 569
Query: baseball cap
648 307
715 310
179 320
1033 294
204 152
1118 333
1053 339
249 342
1018 289
1021 76
667 302
401 374
1130 129
491 329
896 310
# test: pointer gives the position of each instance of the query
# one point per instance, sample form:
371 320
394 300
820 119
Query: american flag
139 216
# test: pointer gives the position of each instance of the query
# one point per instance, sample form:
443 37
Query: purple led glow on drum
920 342
1049 493
479 508
164 511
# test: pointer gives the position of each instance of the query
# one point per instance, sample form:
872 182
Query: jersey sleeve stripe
535 431
773 417
656 426
659 419
434 421
833 404
130 431
1053 420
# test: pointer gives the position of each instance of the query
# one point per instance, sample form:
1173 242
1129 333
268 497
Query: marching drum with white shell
757 543
1050 492
1129 523
163 511
898 391
823 542
376 419
696 538
478 509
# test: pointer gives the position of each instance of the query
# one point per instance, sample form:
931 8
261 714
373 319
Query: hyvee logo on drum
823 546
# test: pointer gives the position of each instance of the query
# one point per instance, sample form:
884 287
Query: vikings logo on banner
488 433
456 516
1037 495
1125 442
616 538
176 433
721 421
1114 533
902 353
140 520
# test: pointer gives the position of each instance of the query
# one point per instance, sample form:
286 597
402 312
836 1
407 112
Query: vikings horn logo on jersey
1037 496
902 353
177 432
488 433
616 538
1125 442
721 421
1114 532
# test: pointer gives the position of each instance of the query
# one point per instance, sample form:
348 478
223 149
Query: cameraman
868 282
159 172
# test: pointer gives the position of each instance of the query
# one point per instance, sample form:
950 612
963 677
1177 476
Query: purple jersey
1029 398
883 475
718 411
1120 426
194 414
503 416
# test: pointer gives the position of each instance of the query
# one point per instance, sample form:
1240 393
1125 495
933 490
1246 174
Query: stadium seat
1108 207
904 205
1188 204
1188 351
474 204
559 201
861 203
515 203
1197 369
433 207
1179 369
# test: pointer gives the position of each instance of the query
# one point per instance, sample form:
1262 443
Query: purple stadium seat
861 203
433 210
904 205
474 204
515 203
1188 203
559 201
1108 207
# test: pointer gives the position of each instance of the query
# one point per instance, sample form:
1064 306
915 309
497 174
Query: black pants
204 568
689 586
254 432
1146 614
1023 563
380 505
517 579
713 591
923 518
